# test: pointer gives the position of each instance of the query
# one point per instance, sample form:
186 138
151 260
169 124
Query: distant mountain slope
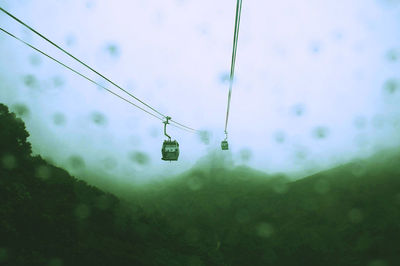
349 215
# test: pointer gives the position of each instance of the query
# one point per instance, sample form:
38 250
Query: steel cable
233 61
178 125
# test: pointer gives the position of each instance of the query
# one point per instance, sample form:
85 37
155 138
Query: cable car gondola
170 148
224 143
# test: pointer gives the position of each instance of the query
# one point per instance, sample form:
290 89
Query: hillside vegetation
348 215
48 217
209 215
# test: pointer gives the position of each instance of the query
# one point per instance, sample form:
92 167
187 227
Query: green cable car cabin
170 150
224 145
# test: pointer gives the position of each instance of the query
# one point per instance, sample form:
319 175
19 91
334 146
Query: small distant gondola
170 148
224 145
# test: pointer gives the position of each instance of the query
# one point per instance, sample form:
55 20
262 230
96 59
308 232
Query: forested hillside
348 215
48 217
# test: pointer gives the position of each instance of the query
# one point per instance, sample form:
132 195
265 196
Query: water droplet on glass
264 230
82 211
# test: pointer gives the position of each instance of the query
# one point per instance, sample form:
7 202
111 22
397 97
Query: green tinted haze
317 82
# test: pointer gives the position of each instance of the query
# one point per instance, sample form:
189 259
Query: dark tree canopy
13 135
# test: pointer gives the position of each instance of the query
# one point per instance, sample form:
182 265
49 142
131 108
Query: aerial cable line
169 150
87 66
184 127
80 74
75 58
233 61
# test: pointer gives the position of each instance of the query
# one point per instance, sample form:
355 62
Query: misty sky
317 82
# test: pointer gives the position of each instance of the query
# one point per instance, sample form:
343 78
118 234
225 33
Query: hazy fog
317 82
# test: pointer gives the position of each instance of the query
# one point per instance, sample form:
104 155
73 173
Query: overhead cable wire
92 69
78 73
184 127
233 61
78 60
187 129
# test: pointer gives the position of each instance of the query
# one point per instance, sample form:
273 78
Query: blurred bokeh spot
70 40
9 161
378 262
113 50
195 183
298 109
90 4
30 81
264 230
391 86
224 77
58 81
364 241
320 132
280 136
20 109
204 137
315 47
139 157
55 262
98 118
355 216
82 211
43 172
245 155
300 154
3 254
358 169
393 55
35 60
280 186
76 162
59 119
